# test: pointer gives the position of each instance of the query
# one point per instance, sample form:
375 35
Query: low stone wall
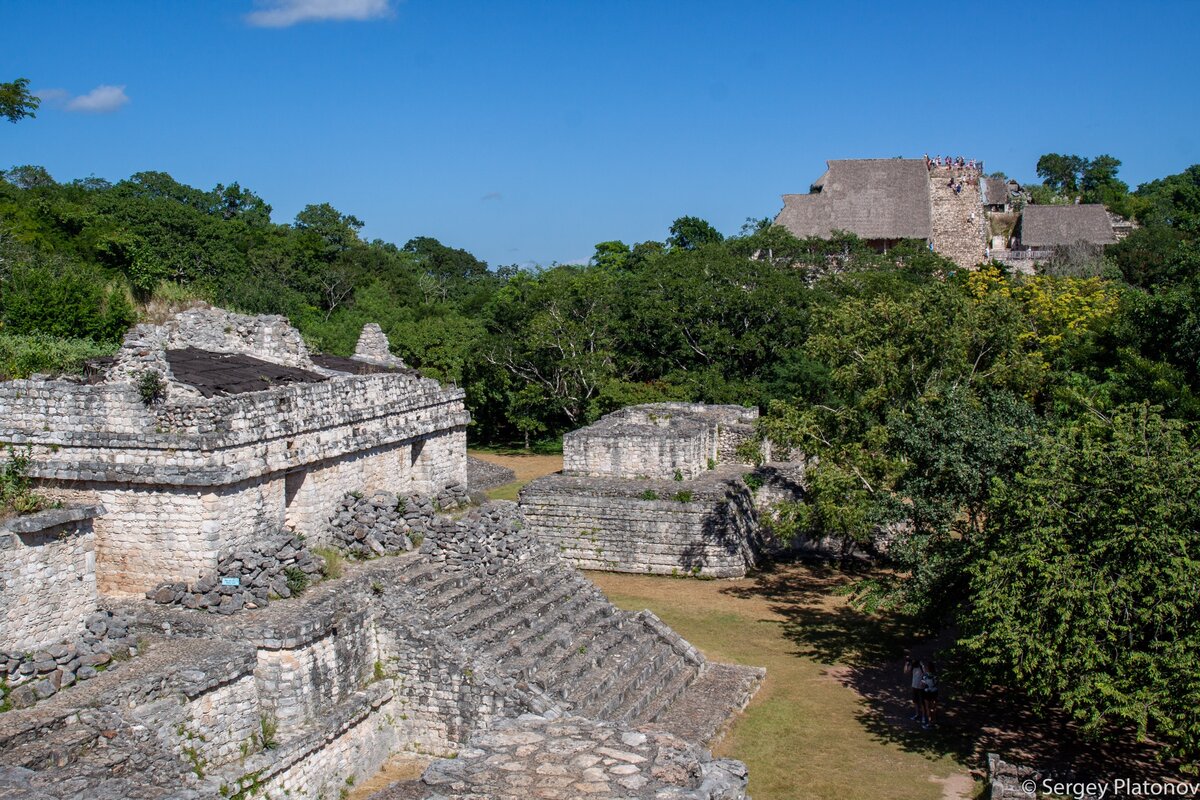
704 527
47 576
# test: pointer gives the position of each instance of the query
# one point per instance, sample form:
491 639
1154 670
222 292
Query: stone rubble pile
485 539
381 524
455 495
251 577
29 677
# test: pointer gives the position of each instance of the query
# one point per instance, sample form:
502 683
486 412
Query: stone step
563 640
522 625
706 705
586 653
651 690
474 608
667 695
445 592
539 654
607 672
633 681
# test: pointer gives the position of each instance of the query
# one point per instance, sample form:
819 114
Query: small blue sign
231 581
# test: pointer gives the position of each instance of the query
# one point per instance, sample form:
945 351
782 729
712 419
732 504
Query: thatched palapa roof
874 198
995 191
1050 226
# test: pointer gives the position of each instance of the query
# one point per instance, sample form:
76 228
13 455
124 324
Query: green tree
16 102
689 233
1060 172
1084 587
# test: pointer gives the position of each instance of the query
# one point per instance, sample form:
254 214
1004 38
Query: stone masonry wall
658 440
184 481
702 527
47 577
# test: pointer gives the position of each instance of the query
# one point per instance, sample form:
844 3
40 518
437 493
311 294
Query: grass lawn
807 733
526 465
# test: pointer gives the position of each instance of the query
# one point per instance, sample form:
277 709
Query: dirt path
527 467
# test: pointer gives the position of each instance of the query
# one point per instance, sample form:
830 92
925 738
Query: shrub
151 387
678 475
753 480
297 580
334 562
269 731
22 356
649 494
683 497
16 488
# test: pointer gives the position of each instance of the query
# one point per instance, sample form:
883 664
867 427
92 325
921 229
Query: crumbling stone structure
214 453
421 651
215 430
655 488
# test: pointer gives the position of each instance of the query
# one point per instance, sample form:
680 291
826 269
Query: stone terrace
418 651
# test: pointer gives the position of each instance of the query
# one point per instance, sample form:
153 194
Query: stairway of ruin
551 627
958 223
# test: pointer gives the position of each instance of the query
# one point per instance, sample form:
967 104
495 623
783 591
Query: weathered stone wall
47 577
658 440
184 481
268 337
700 527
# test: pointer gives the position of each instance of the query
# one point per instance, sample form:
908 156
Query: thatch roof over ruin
995 191
874 198
1051 226
228 373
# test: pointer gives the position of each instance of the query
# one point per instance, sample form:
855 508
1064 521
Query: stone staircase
958 222
551 628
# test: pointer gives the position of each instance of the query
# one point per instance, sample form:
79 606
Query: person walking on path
914 670
929 692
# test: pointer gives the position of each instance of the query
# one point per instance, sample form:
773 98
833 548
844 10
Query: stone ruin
662 489
207 487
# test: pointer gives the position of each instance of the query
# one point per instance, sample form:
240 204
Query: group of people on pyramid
954 162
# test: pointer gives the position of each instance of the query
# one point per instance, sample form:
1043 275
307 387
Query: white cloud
283 13
101 100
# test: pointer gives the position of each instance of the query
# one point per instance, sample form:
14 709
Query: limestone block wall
298 684
702 527
188 479
658 440
47 577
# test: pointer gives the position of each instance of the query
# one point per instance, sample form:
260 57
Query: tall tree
689 233
1061 172
16 102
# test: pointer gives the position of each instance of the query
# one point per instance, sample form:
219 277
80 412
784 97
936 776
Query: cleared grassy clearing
807 734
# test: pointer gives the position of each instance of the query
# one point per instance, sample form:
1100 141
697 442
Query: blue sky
528 131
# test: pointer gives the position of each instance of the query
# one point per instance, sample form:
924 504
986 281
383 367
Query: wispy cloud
491 196
103 99
285 13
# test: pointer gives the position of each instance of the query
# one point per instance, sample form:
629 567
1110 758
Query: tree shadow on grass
865 652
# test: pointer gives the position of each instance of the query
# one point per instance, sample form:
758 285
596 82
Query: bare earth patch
398 768
527 468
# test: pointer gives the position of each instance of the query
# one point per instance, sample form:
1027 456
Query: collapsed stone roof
873 198
1052 226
